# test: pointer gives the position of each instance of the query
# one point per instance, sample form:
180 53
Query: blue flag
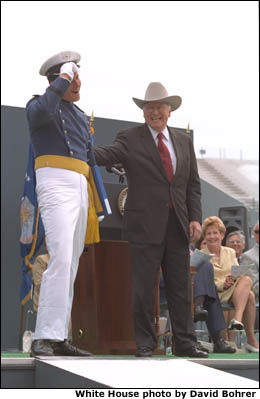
98 182
32 230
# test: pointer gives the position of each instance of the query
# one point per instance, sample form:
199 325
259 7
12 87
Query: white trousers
63 202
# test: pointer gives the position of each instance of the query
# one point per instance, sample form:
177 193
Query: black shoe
192 352
201 347
220 346
200 314
64 348
41 347
144 351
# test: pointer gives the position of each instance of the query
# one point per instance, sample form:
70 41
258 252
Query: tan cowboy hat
157 92
58 60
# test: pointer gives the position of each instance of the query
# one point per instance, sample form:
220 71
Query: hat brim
173 101
59 59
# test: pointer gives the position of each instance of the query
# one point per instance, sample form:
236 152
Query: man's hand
195 231
68 70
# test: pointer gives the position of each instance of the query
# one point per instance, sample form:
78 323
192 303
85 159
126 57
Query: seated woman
237 291
207 303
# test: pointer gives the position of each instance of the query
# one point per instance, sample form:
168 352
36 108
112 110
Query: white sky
206 52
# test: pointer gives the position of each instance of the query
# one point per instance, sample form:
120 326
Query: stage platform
234 371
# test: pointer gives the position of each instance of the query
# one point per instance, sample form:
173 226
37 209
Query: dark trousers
204 285
173 256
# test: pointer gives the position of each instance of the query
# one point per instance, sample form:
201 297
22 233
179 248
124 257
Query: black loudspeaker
235 218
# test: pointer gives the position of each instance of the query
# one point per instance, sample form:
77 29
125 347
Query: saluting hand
69 69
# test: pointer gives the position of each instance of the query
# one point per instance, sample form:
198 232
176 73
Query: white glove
69 68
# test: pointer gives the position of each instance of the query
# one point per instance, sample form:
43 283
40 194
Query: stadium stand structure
237 178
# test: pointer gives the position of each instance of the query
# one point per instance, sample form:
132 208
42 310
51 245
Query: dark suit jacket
147 205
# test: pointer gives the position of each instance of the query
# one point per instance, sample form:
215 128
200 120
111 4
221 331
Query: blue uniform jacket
58 127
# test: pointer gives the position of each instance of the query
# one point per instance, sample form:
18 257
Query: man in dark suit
162 212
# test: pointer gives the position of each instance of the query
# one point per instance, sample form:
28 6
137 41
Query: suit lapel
177 148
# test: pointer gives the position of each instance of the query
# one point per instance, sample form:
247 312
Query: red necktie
165 156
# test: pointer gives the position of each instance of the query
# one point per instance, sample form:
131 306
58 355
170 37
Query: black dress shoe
41 347
192 352
220 346
64 348
200 314
144 351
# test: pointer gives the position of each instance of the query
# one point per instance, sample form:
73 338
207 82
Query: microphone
118 170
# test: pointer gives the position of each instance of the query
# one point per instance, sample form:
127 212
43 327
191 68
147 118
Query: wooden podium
102 309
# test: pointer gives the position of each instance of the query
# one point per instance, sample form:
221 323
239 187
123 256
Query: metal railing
227 153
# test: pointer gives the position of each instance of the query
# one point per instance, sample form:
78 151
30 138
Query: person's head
156 115
72 94
200 243
157 105
213 230
51 69
256 233
236 240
